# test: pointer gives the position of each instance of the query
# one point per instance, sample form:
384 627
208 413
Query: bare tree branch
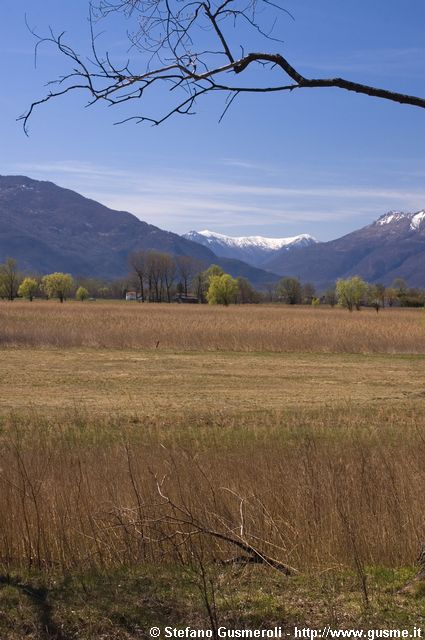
253 555
187 46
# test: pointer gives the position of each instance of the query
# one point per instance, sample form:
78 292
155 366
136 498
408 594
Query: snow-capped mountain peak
252 249
393 217
257 241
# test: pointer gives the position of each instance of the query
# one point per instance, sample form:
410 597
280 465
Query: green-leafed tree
222 289
350 292
82 294
58 285
201 281
28 288
104 291
213 270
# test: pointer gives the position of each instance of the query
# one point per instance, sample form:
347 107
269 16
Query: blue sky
320 161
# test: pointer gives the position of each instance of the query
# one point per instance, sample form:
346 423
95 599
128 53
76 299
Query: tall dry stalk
303 490
245 328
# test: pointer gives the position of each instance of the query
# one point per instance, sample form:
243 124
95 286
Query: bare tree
270 292
137 262
290 290
308 293
246 292
187 267
191 48
158 271
154 270
169 267
9 279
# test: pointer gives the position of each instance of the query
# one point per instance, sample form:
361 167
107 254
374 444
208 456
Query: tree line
156 276
14 284
351 293
161 277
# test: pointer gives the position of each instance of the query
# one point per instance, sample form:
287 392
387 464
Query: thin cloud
84 169
244 164
177 200
181 182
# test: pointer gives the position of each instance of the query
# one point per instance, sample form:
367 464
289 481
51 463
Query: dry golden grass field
258 328
161 464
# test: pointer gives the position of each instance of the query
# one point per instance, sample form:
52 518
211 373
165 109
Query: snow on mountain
391 247
252 249
415 220
258 241
391 216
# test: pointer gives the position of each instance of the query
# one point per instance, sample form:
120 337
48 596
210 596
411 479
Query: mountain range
48 228
391 247
256 250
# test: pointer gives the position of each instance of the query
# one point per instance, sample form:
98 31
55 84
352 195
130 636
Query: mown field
161 464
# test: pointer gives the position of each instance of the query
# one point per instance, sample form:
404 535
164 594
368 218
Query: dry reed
310 489
237 328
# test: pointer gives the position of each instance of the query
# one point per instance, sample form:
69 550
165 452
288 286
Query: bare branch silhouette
187 49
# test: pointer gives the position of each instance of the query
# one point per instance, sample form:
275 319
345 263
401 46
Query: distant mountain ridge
255 250
393 246
48 228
